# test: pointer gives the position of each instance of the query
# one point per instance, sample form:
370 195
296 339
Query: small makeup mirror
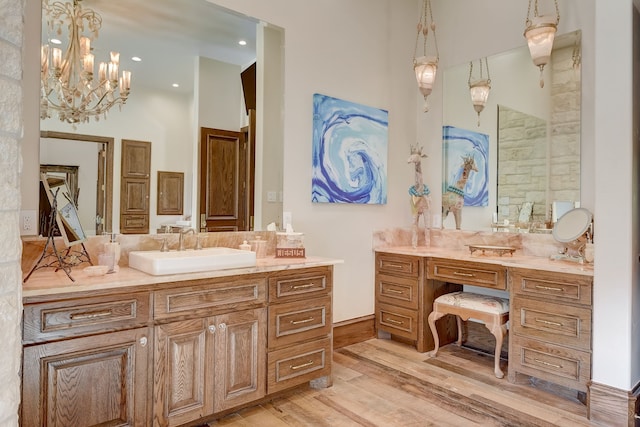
570 230
55 186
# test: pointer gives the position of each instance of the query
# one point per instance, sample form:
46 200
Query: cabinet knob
222 326
143 341
212 328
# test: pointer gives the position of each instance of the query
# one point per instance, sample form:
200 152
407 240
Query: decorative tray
500 250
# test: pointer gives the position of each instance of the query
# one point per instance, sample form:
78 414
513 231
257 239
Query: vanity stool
493 311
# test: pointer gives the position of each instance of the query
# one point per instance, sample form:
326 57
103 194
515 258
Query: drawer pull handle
393 291
395 322
143 341
90 315
457 273
549 288
212 329
553 365
298 322
304 365
393 265
548 322
308 285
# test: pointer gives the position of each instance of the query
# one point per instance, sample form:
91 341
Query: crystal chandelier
425 66
68 86
540 32
479 88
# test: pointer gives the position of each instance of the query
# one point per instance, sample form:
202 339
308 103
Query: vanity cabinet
86 361
210 355
551 318
174 353
404 299
300 340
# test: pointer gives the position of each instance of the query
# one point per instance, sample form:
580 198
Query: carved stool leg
433 316
498 331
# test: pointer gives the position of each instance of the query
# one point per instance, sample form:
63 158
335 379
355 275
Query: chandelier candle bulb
87 64
85 46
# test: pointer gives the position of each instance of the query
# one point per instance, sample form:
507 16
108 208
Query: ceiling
168 35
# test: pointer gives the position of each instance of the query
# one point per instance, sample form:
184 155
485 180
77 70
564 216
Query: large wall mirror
534 133
189 77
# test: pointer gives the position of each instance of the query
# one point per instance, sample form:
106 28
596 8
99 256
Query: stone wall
11 128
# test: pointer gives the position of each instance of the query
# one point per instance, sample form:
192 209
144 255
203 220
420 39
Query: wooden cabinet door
97 380
207 365
240 374
135 186
184 369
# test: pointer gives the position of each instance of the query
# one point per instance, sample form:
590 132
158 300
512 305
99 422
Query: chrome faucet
184 231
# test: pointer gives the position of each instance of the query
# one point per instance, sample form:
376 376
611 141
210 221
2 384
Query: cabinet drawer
468 273
558 287
555 323
397 290
68 318
295 365
397 320
397 265
299 321
202 299
561 365
299 284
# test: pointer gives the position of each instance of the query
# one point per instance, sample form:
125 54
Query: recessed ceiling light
56 41
175 85
242 43
136 58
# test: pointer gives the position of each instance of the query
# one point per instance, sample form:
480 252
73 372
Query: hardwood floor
386 383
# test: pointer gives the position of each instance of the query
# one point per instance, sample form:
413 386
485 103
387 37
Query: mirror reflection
189 78
534 134
62 202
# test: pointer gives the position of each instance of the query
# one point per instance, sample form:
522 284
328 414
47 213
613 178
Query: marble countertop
517 260
46 281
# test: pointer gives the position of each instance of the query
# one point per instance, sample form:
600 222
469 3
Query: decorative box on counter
290 245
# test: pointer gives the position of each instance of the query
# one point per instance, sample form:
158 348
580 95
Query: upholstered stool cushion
473 301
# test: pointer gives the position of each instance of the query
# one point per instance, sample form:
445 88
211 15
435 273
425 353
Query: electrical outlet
28 222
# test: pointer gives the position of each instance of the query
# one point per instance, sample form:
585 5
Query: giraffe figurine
453 198
420 200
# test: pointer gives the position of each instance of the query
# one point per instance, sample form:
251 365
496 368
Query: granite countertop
517 260
49 282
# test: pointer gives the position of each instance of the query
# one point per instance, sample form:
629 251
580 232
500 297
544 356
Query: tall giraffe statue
420 200
453 198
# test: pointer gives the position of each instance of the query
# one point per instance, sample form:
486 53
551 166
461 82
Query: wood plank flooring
386 383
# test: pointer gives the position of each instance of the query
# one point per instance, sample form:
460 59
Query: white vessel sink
190 261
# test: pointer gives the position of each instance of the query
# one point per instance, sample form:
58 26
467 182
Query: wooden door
223 180
240 374
134 187
99 380
184 371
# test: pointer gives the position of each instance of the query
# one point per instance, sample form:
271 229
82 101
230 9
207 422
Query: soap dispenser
245 246
113 248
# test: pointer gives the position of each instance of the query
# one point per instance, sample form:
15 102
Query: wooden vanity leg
459 322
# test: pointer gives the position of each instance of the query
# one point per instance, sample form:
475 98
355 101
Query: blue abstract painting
349 152
459 144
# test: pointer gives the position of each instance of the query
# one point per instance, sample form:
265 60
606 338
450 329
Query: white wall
360 51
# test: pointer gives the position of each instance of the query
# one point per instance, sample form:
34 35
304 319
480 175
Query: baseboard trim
353 331
612 406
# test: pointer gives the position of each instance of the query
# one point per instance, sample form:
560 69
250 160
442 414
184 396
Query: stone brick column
11 128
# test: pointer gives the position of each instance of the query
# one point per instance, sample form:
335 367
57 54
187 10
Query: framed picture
67 218
349 152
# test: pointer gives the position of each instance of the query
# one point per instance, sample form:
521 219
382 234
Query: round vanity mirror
572 225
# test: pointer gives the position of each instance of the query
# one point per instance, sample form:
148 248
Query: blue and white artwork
459 144
349 152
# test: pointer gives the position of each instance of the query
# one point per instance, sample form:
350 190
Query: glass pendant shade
540 37
479 94
425 69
